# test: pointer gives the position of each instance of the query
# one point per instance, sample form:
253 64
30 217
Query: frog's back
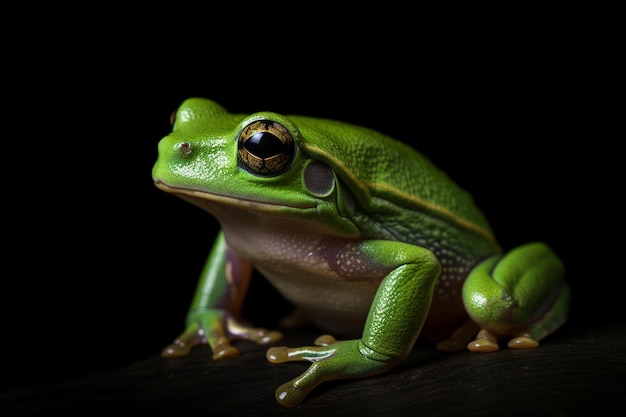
391 179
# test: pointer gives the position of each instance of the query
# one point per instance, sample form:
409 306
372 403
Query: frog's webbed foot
183 344
331 359
217 329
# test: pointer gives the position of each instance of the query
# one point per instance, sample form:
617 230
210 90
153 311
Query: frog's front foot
194 336
331 359
217 329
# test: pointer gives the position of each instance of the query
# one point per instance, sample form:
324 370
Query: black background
100 266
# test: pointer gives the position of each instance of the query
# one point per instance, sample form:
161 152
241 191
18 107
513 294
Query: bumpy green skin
360 232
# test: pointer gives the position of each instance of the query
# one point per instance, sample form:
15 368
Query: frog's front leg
213 316
521 296
393 324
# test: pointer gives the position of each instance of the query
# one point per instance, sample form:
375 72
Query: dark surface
579 371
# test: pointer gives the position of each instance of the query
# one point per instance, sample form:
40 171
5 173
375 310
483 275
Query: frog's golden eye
265 148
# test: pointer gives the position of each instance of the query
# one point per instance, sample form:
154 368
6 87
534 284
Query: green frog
366 237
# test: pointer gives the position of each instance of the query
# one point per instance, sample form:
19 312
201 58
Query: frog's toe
281 354
341 360
183 344
325 340
175 349
223 349
292 393
485 342
271 337
483 345
488 342
278 354
258 335
264 337
523 341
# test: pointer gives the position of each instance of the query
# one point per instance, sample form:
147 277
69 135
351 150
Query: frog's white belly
335 305
326 277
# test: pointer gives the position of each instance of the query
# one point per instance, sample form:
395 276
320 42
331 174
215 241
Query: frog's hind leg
521 296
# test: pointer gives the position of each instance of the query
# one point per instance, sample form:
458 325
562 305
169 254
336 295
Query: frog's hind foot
486 342
483 341
195 336
521 296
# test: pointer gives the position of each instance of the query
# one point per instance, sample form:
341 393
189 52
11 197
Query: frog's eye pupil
264 145
265 148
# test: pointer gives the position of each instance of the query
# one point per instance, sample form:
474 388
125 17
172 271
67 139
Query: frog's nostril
185 148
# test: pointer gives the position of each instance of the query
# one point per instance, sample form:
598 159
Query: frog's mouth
207 201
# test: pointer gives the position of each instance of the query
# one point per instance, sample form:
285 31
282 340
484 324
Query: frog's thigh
521 295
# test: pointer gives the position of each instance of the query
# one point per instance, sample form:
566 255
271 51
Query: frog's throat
197 196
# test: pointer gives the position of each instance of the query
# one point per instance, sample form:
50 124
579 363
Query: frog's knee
507 294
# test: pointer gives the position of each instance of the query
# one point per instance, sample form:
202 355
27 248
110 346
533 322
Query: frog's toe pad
179 347
265 337
483 345
272 336
325 340
523 342
289 395
485 342
278 354
174 350
225 352
223 349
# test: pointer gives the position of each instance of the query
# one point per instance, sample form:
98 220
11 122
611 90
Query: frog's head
217 160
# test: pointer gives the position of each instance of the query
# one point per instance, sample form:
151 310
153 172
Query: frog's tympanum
362 234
